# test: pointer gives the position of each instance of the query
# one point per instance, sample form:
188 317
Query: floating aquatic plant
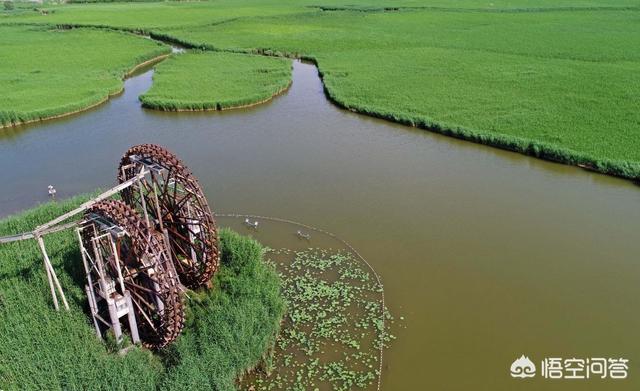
333 332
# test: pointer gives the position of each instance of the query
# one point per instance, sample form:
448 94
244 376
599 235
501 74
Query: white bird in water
249 224
303 235
52 191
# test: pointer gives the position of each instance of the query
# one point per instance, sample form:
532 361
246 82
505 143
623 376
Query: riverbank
53 81
94 105
229 330
334 87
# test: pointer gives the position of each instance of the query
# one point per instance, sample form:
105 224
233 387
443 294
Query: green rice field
561 85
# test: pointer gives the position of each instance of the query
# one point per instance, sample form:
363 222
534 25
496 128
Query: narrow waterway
486 254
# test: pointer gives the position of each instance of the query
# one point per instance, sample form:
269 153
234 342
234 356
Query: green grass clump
233 328
229 329
46 73
198 80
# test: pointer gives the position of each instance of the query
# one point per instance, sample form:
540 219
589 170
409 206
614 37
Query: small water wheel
171 199
129 269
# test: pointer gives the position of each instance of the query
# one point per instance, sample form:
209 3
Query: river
486 254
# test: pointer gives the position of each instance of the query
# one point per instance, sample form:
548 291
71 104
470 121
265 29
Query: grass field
557 80
216 81
229 329
560 85
46 73
148 15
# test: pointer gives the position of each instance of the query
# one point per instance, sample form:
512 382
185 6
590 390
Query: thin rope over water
350 247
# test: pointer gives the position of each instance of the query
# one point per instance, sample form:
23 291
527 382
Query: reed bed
559 84
229 329
46 73
198 80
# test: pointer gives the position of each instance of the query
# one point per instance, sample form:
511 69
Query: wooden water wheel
173 201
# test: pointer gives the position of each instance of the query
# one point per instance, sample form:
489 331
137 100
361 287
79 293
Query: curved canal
486 254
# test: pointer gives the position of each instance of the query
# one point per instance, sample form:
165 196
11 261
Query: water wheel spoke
176 234
148 200
175 188
165 181
176 206
185 225
179 265
180 251
178 238
140 287
144 314
132 273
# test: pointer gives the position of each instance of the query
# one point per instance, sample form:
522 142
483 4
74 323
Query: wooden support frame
56 225
100 293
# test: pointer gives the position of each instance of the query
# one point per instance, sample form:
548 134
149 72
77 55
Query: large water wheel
171 198
129 259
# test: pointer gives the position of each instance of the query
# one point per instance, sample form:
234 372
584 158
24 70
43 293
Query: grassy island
198 80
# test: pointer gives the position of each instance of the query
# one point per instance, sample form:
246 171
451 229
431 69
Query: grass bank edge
18 119
244 286
183 106
10 118
530 147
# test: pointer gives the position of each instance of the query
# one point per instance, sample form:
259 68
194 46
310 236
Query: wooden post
53 290
115 321
133 325
93 307
52 275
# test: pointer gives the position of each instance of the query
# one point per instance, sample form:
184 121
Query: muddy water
487 255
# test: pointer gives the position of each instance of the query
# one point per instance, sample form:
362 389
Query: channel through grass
558 80
561 85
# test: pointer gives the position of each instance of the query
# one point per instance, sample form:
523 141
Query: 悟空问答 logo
523 367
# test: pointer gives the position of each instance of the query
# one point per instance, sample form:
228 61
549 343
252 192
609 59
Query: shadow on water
487 254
